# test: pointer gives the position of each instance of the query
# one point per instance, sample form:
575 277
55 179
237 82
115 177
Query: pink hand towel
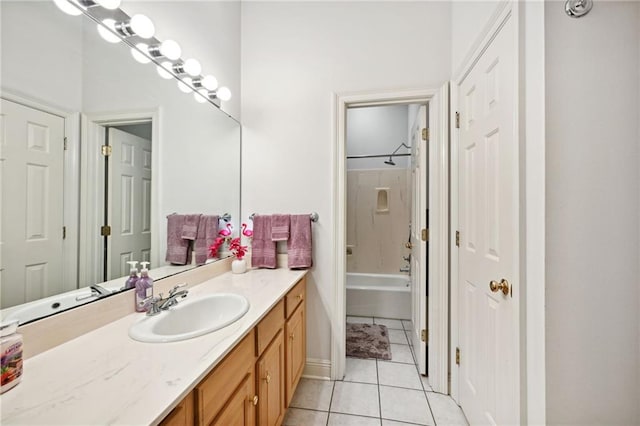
177 247
280 227
190 227
263 250
299 244
207 232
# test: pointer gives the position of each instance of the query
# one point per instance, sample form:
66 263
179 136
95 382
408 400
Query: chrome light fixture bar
138 32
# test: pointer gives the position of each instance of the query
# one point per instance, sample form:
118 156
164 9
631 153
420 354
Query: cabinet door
270 383
182 415
296 350
239 409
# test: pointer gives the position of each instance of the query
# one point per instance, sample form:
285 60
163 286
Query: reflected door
31 162
488 220
129 205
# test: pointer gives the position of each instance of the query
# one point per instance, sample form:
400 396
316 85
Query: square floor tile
313 394
425 383
405 405
409 336
360 320
336 419
390 323
401 353
445 410
355 398
361 370
301 417
407 324
398 336
400 375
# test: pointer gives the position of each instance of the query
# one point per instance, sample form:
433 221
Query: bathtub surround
368 341
378 208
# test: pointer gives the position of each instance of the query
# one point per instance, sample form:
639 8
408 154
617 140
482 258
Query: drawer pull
267 378
255 400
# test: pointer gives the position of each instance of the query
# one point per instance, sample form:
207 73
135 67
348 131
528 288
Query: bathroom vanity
245 373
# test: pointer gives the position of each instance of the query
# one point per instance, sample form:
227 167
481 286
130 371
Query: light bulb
192 67
184 85
105 33
162 70
142 26
68 8
109 4
201 96
170 50
209 82
138 54
223 93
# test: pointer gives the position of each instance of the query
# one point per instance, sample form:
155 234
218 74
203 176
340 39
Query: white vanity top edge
105 377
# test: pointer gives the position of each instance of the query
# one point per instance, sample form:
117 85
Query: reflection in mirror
96 151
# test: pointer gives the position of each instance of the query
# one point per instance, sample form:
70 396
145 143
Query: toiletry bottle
133 276
144 289
11 349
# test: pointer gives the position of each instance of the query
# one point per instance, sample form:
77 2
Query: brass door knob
503 286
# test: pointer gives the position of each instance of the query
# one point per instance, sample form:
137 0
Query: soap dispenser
144 289
133 276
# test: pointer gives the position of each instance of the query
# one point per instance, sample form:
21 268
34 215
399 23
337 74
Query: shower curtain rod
355 157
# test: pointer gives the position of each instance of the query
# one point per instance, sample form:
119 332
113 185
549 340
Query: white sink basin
191 318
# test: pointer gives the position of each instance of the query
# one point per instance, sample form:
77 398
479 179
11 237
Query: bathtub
379 295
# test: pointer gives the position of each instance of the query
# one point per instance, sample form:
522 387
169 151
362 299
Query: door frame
92 195
528 21
439 254
71 173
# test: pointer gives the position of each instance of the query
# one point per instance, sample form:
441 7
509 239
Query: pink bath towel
177 247
190 227
207 232
263 249
299 244
280 227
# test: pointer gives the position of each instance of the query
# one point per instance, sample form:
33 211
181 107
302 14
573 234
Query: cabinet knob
255 400
292 336
267 378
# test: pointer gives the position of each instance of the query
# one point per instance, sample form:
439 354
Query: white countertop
105 377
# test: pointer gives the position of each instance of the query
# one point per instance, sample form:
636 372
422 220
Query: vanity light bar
131 30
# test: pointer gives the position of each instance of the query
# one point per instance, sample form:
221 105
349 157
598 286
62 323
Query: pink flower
237 249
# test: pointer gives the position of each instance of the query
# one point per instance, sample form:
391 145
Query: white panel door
488 225
31 164
129 205
419 173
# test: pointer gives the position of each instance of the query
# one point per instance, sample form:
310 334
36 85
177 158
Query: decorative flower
237 249
215 247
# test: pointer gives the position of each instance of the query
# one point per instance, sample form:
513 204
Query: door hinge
457 356
64 232
105 231
425 235
425 134
64 143
457 238
424 335
106 150
457 120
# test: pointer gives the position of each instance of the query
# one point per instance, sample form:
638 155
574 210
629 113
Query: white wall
377 130
294 57
468 20
593 214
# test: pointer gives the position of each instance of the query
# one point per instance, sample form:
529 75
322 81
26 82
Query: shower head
390 162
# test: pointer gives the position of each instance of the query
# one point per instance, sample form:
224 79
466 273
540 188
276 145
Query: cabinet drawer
295 296
269 327
217 387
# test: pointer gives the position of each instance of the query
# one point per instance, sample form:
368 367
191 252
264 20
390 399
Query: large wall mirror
96 151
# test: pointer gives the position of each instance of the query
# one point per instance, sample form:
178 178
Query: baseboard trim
317 369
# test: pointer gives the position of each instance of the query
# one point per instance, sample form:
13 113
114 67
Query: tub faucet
407 267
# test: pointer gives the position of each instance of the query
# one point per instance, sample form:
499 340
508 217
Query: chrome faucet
96 290
174 295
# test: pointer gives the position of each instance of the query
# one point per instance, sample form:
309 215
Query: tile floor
374 392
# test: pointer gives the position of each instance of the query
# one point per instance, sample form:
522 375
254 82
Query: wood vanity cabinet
254 383
296 339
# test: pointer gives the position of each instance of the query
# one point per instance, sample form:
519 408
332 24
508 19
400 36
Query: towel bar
314 216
